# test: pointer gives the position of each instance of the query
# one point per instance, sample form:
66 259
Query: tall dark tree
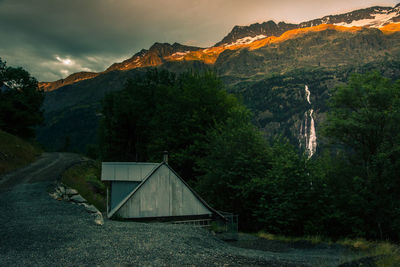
237 154
20 101
365 115
365 119
161 111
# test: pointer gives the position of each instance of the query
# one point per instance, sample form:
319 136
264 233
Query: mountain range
269 65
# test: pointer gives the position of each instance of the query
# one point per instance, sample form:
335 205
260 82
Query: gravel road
36 230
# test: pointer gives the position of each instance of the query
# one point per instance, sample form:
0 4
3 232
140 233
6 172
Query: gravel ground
37 230
324 254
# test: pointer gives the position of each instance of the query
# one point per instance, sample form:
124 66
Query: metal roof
126 171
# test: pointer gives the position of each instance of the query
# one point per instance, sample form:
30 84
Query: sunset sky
54 38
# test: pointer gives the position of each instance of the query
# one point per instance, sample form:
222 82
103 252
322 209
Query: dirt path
37 230
47 168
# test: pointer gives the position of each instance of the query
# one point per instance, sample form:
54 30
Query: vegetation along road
37 230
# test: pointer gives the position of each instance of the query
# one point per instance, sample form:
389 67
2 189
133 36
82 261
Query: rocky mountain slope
372 17
242 36
73 78
384 18
145 58
269 65
155 56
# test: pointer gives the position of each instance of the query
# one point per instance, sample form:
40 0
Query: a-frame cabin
152 191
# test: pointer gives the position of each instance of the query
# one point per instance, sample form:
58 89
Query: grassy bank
85 178
384 254
15 152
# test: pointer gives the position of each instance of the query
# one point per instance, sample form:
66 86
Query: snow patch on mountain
379 19
179 55
247 40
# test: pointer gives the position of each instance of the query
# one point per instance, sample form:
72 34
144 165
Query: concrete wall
163 194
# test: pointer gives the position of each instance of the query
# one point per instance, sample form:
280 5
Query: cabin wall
163 194
120 190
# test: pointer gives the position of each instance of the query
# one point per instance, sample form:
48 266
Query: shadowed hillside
15 152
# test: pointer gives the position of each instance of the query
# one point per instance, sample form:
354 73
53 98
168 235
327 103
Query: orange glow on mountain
299 32
211 54
390 28
73 78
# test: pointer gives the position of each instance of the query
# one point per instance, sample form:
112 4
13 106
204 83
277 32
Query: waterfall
308 131
312 137
308 93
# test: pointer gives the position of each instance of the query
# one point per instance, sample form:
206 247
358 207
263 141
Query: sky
54 38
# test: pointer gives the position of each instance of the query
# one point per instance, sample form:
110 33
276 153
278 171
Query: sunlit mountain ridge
252 37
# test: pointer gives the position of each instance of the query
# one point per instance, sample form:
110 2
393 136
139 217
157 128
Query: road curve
48 167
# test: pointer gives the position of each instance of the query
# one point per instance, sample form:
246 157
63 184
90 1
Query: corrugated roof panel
126 171
122 173
107 172
135 171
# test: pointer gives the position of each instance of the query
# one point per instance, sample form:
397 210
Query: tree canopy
162 111
20 101
365 115
365 119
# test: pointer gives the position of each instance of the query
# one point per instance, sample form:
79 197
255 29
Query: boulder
98 218
78 199
71 192
90 208
55 195
61 188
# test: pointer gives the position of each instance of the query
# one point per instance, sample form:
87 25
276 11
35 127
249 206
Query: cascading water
307 133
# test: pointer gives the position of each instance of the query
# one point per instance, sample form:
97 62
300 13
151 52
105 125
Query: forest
349 189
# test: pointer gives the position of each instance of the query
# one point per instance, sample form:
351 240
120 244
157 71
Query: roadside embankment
15 152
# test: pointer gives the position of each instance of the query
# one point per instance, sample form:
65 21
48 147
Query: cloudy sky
54 38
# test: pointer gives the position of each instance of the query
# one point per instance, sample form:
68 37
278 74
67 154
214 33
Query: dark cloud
92 34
